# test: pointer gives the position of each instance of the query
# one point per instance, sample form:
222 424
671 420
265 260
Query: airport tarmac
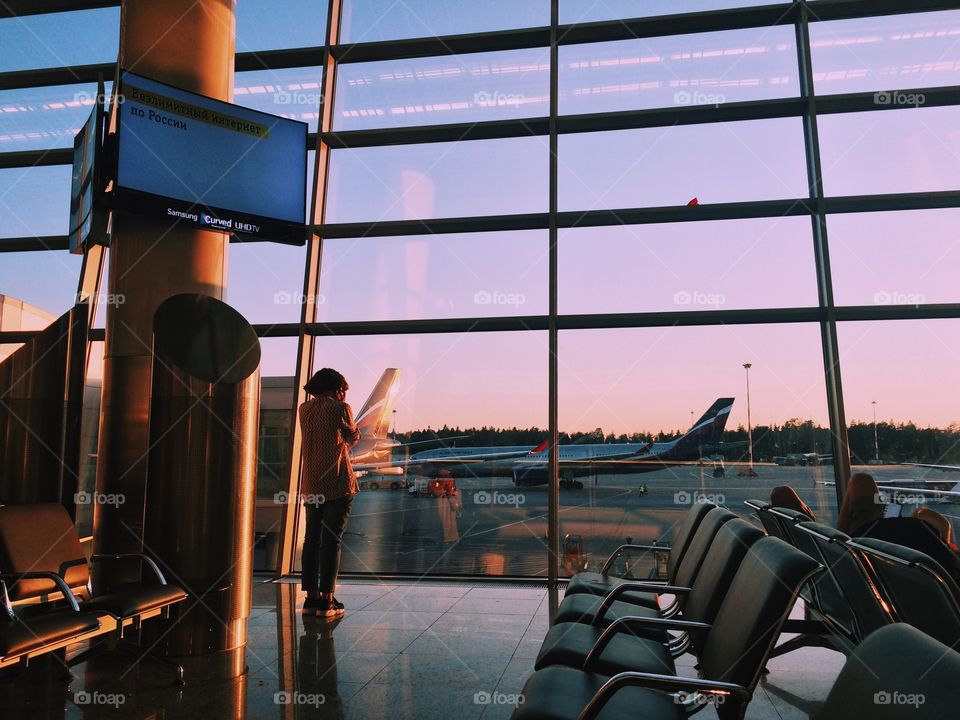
491 527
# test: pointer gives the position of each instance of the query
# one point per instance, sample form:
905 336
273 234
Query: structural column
190 44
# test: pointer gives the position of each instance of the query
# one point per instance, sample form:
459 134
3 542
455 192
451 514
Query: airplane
935 491
803 459
373 421
528 466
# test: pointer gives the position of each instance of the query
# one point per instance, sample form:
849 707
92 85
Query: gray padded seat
920 589
581 607
896 658
560 693
596 584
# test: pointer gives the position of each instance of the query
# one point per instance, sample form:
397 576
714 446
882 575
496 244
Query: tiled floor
406 650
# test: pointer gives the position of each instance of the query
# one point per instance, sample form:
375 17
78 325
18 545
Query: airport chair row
573 636
869 583
843 605
48 597
627 668
626 596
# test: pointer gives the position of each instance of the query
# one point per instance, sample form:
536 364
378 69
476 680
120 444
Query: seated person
862 515
786 497
861 504
939 523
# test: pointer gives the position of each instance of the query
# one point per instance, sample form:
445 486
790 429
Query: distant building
18 315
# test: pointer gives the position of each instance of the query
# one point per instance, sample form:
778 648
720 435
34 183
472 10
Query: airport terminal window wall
691 236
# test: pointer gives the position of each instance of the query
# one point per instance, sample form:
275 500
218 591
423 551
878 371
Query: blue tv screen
209 163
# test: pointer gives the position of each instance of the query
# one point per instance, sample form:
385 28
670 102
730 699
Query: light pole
394 423
876 439
746 368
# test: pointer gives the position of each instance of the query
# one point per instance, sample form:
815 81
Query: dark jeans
320 560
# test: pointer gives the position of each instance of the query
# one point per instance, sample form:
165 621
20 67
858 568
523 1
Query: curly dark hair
325 381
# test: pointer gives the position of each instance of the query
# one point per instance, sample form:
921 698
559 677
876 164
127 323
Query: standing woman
329 485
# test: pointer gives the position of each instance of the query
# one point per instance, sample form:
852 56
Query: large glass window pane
486 388
715 163
83 37
404 182
445 89
269 25
371 20
718 265
621 390
44 280
895 258
265 281
435 276
896 372
277 365
886 53
293 93
89 436
34 202
680 70
580 11
892 151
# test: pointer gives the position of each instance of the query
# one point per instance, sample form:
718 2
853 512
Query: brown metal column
190 44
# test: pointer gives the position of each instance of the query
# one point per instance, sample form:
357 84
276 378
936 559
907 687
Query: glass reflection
680 70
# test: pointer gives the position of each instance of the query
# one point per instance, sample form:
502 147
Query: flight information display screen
215 165
83 181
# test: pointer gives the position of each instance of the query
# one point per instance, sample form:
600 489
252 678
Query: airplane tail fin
708 430
375 416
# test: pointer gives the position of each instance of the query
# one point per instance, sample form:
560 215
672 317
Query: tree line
898 442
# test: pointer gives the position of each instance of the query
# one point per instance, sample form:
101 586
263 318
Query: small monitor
85 183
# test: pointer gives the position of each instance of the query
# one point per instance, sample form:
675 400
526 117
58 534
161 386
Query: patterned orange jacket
328 433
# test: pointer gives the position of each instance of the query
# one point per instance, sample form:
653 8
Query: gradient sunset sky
623 380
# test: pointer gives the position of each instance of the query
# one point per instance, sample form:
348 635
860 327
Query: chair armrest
619 551
632 622
62 572
667 683
59 581
125 556
619 590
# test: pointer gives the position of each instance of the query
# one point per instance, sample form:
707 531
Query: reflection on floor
403 650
